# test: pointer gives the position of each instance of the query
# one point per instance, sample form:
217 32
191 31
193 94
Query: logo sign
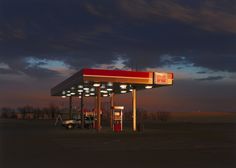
163 78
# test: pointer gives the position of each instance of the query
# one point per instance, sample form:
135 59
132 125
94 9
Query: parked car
76 122
71 123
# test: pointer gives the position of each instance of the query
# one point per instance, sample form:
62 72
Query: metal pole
111 110
98 109
70 107
134 103
81 110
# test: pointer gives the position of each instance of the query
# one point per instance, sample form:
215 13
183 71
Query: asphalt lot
40 144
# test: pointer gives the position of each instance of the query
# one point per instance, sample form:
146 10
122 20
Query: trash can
117 127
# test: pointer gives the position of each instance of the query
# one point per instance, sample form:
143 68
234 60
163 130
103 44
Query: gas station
100 83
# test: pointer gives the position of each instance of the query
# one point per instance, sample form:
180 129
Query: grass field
40 144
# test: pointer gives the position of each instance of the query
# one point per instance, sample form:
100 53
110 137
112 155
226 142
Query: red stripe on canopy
117 73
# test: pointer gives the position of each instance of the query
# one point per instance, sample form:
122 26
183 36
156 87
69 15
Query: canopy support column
81 110
70 107
111 110
98 109
134 105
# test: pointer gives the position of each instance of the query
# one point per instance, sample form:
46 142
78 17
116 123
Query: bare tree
163 116
7 112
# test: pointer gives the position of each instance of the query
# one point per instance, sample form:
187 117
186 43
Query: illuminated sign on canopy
163 78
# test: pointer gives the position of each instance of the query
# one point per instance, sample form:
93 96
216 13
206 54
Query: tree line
52 111
30 112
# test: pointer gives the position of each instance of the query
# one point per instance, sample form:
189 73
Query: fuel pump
117 118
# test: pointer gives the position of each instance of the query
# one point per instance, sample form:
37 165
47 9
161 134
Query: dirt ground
40 144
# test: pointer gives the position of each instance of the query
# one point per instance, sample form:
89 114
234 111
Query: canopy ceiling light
80 86
109 84
123 91
103 86
96 84
104 91
92 89
148 87
123 86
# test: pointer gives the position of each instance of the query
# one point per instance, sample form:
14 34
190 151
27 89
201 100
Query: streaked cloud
211 78
41 73
47 67
120 62
205 16
4 66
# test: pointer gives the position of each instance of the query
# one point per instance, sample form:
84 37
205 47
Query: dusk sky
43 42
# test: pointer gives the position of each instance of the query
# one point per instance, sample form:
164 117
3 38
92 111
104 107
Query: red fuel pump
117 118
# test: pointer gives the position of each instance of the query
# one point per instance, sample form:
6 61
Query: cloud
52 65
40 73
119 62
7 71
205 16
211 78
201 72
92 9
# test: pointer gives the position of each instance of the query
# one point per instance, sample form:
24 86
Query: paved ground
39 144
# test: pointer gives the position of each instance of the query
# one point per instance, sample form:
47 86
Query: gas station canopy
101 82
110 81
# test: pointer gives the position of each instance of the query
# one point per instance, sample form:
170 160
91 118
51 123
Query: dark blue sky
42 42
